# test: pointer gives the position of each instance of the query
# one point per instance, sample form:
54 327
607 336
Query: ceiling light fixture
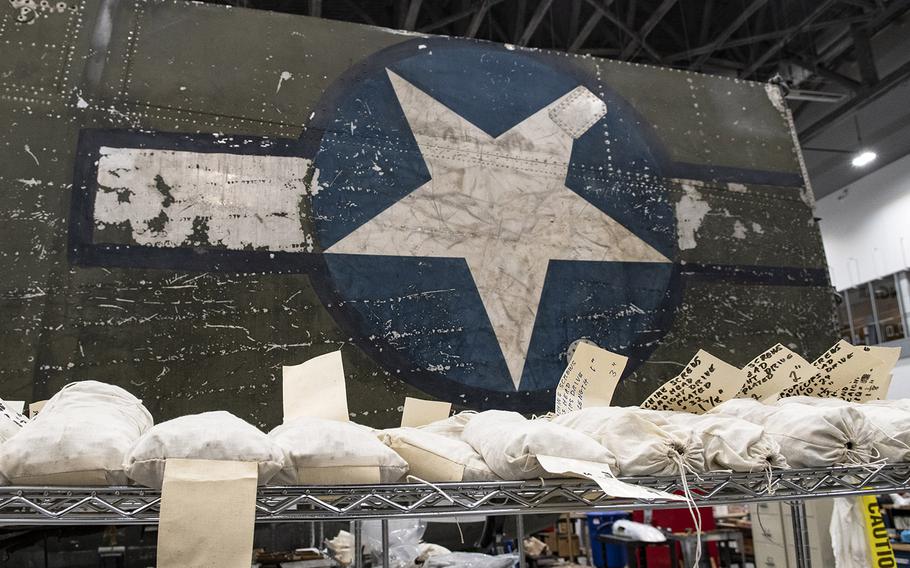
864 158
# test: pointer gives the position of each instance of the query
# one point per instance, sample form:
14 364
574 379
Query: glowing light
863 159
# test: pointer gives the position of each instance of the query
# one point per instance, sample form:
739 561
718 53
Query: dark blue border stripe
760 275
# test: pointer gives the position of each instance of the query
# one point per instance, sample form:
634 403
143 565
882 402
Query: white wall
900 382
866 226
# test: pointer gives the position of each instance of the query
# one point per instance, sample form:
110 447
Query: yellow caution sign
876 534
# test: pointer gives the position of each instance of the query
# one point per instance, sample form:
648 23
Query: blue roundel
447 324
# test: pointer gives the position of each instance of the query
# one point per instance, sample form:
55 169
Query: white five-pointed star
501 204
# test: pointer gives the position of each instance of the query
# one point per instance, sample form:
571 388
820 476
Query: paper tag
427 465
600 474
419 412
35 407
16 405
874 383
8 408
315 389
589 379
208 512
774 370
705 382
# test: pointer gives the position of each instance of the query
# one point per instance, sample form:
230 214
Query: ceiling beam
612 18
631 9
865 60
534 22
366 17
723 36
782 42
815 67
457 17
656 16
585 32
748 40
479 15
574 20
706 18
521 9
315 8
847 109
410 19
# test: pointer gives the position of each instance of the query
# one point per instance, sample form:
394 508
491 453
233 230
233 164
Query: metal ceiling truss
42 506
749 39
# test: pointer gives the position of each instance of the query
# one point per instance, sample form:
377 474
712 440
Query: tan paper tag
874 383
208 512
601 475
13 412
589 379
774 370
315 389
419 412
705 382
35 407
427 465
17 405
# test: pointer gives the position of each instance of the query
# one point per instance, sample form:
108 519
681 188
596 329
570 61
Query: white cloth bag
208 436
890 423
451 427
643 441
437 457
732 443
79 438
848 534
333 452
510 444
809 435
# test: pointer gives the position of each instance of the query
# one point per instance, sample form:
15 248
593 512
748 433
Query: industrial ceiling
844 63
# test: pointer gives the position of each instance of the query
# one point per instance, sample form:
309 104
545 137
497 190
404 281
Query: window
863 317
875 312
888 309
843 317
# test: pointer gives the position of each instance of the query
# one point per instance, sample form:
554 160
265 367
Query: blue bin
602 523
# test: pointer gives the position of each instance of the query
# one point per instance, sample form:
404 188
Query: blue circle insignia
479 209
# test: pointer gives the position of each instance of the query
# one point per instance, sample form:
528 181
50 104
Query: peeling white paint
30 153
776 97
285 76
171 198
756 228
739 230
690 212
737 187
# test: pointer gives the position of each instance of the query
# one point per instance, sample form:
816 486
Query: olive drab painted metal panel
195 195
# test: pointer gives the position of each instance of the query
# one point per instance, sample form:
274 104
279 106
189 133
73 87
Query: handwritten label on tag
35 407
774 370
315 389
874 382
589 379
9 410
704 383
600 474
838 367
419 412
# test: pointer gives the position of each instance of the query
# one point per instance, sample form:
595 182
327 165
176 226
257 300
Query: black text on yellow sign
876 534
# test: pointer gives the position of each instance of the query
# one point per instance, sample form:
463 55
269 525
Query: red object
677 520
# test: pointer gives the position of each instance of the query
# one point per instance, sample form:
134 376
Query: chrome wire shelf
23 506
